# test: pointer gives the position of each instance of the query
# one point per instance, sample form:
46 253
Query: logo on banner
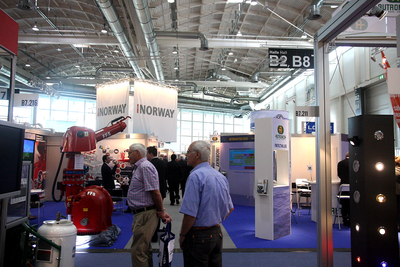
280 134
111 110
155 111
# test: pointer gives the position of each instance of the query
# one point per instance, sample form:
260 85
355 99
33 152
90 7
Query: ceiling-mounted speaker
24 5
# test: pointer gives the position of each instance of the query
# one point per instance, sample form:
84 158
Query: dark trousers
203 248
398 211
173 191
345 211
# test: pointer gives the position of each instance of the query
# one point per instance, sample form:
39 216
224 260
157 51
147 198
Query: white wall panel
349 69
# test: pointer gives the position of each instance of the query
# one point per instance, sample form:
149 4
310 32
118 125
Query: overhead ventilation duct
144 17
110 13
315 9
99 71
186 35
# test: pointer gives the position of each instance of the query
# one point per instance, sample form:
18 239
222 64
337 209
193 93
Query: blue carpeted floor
239 225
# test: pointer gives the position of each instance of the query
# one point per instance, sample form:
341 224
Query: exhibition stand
272 177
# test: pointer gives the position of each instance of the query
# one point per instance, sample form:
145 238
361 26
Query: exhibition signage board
3 94
291 58
237 138
26 100
155 110
307 111
8 33
310 127
112 101
280 134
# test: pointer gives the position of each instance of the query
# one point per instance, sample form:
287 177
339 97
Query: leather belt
144 209
203 228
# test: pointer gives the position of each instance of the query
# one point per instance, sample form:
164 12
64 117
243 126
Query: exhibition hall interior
284 92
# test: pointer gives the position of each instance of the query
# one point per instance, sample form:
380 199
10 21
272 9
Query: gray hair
204 148
140 147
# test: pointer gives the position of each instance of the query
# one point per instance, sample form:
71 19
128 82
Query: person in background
344 173
174 176
161 167
185 174
397 173
206 204
107 173
144 199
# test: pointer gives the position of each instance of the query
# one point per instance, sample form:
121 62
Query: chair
344 193
117 198
303 189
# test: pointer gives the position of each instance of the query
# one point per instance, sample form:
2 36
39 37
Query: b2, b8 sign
291 58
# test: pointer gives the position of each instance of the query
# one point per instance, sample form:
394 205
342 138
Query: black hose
55 180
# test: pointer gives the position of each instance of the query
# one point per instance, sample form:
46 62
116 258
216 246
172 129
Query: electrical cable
55 180
344 87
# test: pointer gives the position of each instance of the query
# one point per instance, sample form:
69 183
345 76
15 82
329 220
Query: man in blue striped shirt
205 205
144 199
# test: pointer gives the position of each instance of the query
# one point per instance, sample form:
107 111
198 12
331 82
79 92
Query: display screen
11 145
241 159
29 146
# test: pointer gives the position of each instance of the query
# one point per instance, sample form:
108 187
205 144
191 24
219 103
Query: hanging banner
112 101
155 111
393 80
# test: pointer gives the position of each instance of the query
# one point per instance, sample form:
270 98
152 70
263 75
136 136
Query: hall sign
291 58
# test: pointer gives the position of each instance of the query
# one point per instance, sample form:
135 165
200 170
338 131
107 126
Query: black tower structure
373 207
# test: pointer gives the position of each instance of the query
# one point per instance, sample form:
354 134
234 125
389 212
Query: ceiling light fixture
239 33
175 51
35 27
223 68
377 12
59 48
77 65
27 64
253 2
171 1
116 49
104 30
304 35
230 53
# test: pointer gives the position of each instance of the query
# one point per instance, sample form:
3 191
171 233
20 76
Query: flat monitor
241 159
11 147
29 148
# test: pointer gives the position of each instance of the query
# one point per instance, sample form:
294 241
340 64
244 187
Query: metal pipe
314 9
110 13
186 35
100 70
144 17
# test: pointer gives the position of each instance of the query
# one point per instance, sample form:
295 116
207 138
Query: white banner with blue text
112 102
155 111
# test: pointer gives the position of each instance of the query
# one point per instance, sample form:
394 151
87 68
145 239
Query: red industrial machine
90 208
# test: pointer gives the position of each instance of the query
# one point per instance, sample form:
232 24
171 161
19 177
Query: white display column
272 199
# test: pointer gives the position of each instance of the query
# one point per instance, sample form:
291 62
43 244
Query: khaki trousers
143 227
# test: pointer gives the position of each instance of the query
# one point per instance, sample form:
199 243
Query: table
335 190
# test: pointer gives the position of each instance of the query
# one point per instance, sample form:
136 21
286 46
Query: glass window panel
59 116
198 130
187 115
219 128
218 118
238 129
197 116
90 121
44 102
77 117
186 128
22 114
76 105
43 115
228 119
90 107
59 104
228 128
208 117
238 121
208 129
185 143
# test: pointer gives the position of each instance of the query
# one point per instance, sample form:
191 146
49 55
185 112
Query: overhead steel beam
166 41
